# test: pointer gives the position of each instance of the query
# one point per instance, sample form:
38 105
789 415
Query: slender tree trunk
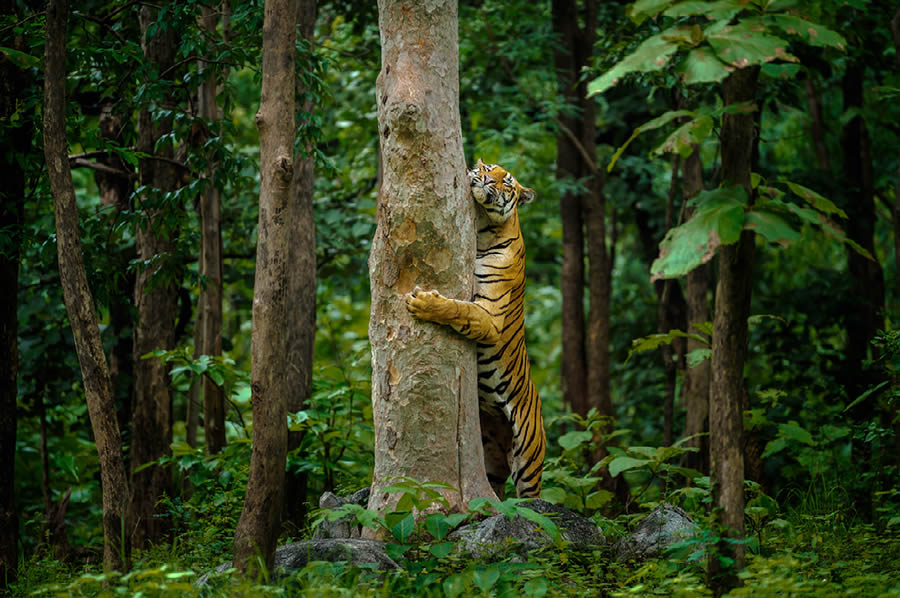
257 530
730 343
568 166
895 31
817 123
302 331
424 396
211 266
866 317
77 295
695 386
155 299
17 139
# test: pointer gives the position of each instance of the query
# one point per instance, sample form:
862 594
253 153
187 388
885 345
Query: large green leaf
721 10
744 44
718 220
701 66
652 55
822 204
812 33
620 464
771 225
682 140
642 9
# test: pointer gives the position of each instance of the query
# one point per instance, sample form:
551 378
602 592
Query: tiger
512 427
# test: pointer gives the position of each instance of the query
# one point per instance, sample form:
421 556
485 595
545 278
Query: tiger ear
526 195
479 165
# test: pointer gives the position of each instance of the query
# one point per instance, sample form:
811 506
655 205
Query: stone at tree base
294 556
497 534
342 528
665 526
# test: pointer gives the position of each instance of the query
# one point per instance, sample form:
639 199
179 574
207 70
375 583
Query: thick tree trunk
695 386
211 267
730 343
155 299
569 166
816 123
424 389
257 530
302 329
17 140
895 32
77 295
866 317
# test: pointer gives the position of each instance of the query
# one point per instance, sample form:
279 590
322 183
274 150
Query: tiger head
497 191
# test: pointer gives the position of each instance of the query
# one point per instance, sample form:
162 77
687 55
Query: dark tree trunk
866 316
302 331
17 139
569 166
155 299
77 295
895 31
730 343
210 307
257 530
817 123
695 386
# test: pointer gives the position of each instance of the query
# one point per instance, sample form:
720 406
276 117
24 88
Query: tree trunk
211 265
695 386
816 123
895 32
13 83
257 530
302 331
865 318
77 295
155 299
424 389
569 166
730 343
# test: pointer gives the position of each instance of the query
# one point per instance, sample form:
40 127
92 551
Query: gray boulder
497 534
290 557
665 526
342 528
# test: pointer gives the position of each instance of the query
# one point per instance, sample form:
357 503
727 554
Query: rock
290 557
665 526
341 528
498 533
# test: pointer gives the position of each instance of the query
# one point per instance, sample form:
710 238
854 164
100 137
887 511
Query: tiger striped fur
512 427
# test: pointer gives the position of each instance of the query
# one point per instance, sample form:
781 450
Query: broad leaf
811 33
722 10
702 66
573 439
718 220
795 432
781 71
824 205
770 225
403 529
682 140
620 464
442 549
742 45
642 9
652 55
698 356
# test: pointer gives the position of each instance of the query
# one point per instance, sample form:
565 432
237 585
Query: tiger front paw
426 305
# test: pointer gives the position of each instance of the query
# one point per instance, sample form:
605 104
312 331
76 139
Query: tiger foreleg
466 317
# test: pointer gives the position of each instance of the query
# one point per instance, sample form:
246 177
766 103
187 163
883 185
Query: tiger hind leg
496 437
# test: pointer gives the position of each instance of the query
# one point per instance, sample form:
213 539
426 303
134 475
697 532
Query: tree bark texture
865 317
302 323
424 389
258 528
13 82
211 264
77 295
155 300
730 342
816 123
895 32
695 386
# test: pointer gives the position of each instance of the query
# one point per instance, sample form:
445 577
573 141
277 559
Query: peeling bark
424 389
